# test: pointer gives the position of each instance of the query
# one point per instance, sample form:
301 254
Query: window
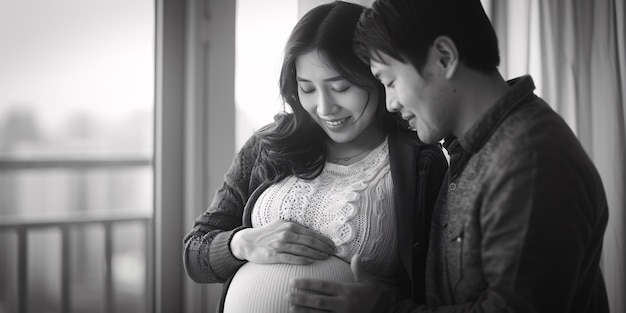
76 146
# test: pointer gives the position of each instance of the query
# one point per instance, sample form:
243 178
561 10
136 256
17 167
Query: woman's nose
326 105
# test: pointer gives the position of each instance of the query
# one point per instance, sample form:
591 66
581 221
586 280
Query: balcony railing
65 222
21 163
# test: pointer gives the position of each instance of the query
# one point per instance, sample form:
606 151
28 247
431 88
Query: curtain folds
576 53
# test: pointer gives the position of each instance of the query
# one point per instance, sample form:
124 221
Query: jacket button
416 245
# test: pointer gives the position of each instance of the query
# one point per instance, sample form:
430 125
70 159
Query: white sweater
350 204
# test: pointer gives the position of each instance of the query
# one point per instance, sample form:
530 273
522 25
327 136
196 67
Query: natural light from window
262 29
76 143
82 80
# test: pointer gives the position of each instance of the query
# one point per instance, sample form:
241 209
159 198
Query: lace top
351 204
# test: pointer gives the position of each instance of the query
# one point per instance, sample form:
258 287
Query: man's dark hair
405 30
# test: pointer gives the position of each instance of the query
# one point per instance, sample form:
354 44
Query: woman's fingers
302 236
281 242
293 259
304 251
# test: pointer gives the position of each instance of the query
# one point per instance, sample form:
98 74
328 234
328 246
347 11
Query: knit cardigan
417 171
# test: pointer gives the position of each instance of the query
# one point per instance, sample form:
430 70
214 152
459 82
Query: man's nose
392 103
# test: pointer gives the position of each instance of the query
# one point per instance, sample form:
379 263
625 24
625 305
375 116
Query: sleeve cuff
221 259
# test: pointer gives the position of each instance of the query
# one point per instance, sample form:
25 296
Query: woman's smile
336 123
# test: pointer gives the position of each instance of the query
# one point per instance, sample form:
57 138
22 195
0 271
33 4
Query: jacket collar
461 149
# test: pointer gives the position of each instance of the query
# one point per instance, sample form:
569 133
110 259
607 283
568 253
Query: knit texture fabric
350 204
416 169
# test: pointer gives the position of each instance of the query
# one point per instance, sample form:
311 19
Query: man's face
423 100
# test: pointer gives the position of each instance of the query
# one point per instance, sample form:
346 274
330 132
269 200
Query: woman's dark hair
405 30
294 143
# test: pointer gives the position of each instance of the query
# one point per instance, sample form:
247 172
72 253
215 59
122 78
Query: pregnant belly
261 288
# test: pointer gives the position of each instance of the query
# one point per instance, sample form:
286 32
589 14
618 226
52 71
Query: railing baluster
22 227
22 270
65 270
108 279
149 258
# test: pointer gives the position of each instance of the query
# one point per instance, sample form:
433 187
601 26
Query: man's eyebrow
331 79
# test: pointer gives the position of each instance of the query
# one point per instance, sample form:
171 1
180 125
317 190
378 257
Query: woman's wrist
236 245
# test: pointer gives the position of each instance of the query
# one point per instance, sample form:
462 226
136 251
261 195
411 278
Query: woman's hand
281 242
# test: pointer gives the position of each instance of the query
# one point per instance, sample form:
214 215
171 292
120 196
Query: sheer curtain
576 53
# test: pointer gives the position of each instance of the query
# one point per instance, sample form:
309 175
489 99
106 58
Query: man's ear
446 54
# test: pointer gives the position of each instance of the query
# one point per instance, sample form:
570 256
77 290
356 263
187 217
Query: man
520 220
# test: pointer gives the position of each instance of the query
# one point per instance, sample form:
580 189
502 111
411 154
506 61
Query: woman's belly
261 288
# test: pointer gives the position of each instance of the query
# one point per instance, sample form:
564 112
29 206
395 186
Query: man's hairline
375 54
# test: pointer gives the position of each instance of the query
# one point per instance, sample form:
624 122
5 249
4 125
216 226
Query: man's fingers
310 303
316 286
313 295
357 269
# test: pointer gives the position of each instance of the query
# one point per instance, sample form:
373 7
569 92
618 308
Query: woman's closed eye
306 88
341 86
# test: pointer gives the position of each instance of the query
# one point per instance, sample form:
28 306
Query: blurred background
119 118
76 147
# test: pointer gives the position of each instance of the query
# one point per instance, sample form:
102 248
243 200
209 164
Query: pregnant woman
334 175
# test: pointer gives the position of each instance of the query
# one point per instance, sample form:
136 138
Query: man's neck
478 92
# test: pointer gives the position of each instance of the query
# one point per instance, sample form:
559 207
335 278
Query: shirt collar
521 88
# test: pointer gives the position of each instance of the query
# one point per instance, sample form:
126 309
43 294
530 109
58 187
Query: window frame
168 154
194 136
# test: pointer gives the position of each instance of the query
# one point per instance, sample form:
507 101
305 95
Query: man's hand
328 296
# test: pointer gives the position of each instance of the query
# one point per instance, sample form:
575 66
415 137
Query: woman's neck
357 149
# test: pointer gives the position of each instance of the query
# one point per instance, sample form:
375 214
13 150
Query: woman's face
344 111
